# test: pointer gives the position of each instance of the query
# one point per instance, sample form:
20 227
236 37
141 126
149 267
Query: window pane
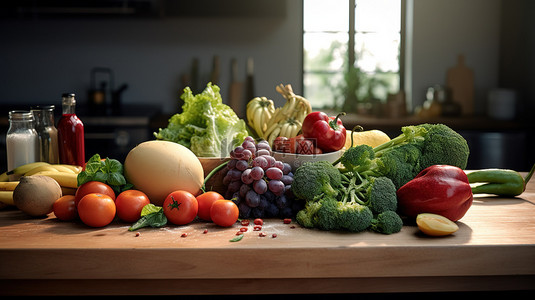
325 51
378 15
321 15
377 51
322 90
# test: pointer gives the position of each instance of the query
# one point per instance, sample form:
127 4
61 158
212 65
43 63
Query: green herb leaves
109 171
151 215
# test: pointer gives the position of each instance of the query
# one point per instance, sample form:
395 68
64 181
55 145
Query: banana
8 185
64 179
6 197
270 129
4 177
21 170
274 135
40 169
257 118
75 169
62 168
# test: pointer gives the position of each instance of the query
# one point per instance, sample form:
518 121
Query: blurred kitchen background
387 63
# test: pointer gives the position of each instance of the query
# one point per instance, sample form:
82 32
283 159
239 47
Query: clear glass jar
22 141
47 132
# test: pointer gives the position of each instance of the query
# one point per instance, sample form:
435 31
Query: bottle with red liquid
70 134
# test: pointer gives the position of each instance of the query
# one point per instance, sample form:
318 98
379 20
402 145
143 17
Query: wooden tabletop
494 249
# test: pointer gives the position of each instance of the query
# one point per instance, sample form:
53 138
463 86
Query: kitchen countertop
493 250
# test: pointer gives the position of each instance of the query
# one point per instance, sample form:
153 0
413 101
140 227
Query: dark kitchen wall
41 56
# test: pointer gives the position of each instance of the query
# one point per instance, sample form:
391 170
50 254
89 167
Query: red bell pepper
328 132
440 189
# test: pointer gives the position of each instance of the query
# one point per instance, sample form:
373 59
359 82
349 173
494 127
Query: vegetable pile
362 194
207 126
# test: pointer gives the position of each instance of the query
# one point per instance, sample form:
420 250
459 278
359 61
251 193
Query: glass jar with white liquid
22 141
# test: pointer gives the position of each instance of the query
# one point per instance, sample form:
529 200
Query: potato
158 168
35 195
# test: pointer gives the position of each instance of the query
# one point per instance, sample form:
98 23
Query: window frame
351 44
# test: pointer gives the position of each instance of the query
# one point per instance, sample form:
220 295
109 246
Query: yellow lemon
372 138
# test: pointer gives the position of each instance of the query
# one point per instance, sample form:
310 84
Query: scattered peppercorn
287 221
258 222
261 234
205 231
184 235
274 235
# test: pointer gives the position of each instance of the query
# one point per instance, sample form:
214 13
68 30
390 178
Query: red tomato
96 210
93 187
129 205
205 201
224 213
180 207
65 208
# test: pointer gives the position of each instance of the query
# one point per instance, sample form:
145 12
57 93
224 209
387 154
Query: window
351 52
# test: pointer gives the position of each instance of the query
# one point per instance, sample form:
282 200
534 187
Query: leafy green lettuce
206 126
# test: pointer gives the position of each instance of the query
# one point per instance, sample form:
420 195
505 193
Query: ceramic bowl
296 160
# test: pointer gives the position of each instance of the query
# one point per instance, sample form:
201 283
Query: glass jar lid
20 115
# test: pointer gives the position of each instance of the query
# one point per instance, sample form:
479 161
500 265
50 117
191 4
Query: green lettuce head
206 126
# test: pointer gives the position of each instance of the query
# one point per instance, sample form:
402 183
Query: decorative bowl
296 160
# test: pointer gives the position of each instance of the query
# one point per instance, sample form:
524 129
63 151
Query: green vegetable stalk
207 126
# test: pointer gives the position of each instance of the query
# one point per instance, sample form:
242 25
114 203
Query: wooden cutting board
460 80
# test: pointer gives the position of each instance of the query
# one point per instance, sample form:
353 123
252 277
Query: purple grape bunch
258 183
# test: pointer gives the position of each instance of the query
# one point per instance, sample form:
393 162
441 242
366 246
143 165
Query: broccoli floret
315 179
306 215
381 195
354 217
358 157
387 222
443 146
327 214
330 214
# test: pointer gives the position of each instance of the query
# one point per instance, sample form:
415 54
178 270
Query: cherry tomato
129 205
205 201
180 207
65 208
96 210
93 187
224 213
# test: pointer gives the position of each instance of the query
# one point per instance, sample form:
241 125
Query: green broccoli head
381 194
443 146
387 222
306 216
400 164
359 156
327 214
354 217
314 179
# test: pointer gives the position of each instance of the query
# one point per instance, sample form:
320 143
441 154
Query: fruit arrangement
269 122
258 183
